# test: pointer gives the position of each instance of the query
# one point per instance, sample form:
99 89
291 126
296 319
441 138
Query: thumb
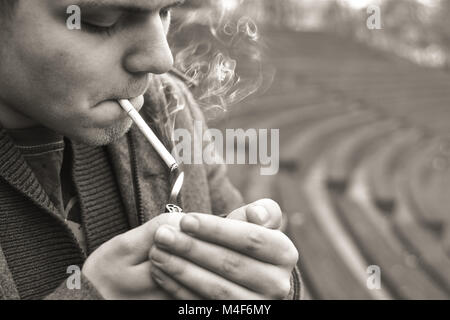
142 237
265 212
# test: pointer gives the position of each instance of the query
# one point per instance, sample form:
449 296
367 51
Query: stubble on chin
105 136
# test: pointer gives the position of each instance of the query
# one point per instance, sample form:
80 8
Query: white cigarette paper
149 134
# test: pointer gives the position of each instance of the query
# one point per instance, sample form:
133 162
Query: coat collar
151 173
15 170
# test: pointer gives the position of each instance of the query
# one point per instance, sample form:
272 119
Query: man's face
68 80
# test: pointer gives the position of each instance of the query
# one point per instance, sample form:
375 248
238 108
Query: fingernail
165 236
261 213
189 223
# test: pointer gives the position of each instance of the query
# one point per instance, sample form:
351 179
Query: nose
150 52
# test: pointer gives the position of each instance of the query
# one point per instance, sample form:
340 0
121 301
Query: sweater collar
15 170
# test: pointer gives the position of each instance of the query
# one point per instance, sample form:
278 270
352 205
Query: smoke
222 52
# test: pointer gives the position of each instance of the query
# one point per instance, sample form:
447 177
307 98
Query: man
79 188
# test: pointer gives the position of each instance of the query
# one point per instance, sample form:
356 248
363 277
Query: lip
109 111
137 102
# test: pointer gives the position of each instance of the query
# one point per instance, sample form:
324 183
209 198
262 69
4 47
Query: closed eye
106 24
94 28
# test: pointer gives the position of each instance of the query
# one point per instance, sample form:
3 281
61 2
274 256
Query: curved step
421 243
383 164
324 270
425 244
306 146
346 153
297 114
274 104
376 235
417 187
329 220
401 276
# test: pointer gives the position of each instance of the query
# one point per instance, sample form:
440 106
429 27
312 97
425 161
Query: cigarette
165 155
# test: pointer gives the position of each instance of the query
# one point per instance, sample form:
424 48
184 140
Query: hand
217 258
119 269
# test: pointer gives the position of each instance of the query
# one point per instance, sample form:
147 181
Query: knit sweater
36 246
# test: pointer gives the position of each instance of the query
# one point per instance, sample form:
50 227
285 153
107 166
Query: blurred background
364 119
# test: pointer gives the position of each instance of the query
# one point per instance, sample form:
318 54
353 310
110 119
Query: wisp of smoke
221 51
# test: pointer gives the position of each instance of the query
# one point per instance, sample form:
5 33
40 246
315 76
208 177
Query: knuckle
231 264
176 267
186 245
255 241
220 293
177 292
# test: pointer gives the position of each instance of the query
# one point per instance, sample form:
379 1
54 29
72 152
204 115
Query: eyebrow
134 6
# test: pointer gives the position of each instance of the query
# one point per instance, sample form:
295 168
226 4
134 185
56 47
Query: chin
103 136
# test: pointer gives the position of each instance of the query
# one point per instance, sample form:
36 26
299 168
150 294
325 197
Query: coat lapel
153 176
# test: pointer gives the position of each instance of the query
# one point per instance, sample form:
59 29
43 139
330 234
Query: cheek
62 65
57 66
59 74
64 72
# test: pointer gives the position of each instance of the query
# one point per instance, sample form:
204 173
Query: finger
174 288
135 244
270 246
205 283
231 265
264 212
